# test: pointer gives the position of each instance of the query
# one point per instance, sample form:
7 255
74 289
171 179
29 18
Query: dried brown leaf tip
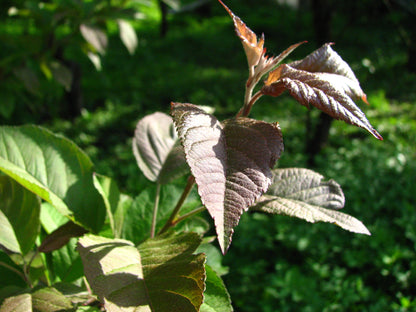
253 46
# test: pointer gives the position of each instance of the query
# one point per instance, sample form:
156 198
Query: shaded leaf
114 271
216 297
128 35
61 237
55 169
253 47
8 237
231 162
95 37
327 92
66 262
301 193
21 208
174 275
61 74
154 148
29 78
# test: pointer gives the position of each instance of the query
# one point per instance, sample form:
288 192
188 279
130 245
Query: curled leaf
330 93
231 162
302 193
253 47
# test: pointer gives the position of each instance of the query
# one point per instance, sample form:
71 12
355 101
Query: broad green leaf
22 210
328 92
162 275
46 299
154 148
301 193
55 169
113 268
216 297
51 218
95 37
8 237
231 162
66 262
128 35
174 276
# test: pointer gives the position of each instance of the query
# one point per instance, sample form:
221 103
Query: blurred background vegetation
53 73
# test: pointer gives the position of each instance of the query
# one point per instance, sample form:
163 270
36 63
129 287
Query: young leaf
55 169
22 209
301 193
330 93
154 148
326 60
252 46
231 162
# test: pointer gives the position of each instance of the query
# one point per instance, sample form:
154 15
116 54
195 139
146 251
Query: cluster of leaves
141 263
38 56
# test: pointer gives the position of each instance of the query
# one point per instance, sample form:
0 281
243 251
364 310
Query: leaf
61 74
326 60
301 193
66 262
162 275
327 92
50 217
61 237
128 35
174 276
95 37
231 162
216 297
55 169
46 299
21 208
253 47
154 148
8 237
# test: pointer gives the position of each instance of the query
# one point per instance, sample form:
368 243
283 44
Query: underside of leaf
231 162
327 92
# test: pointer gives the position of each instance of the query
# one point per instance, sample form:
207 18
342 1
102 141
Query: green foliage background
275 263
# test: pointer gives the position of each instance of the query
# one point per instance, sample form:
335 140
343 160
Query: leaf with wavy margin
231 162
301 193
327 92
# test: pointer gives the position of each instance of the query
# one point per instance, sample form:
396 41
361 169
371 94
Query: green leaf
155 149
216 296
174 275
55 169
231 162
301 193
66 261
21 208
51 218
46 299
162 275
114 271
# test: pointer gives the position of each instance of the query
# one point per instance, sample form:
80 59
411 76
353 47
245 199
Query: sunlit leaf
128 35
22 210
327 92
216 297
155 150
55 169
301 193
231 162
162 275
94 36
8 237
253 47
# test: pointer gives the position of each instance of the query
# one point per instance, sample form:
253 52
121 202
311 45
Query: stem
249 99
155 208
189 214
185 193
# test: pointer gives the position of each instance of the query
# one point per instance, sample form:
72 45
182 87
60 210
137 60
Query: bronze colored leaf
231 162
252 46
330 93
